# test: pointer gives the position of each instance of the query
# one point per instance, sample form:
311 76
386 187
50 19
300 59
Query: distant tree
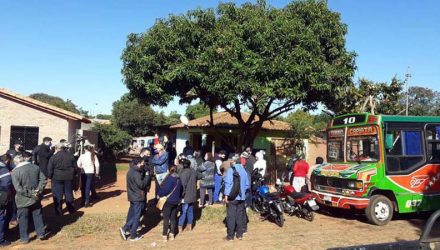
114 138
173 118
385 97
305 125
56 101
265 59
422 101
134 117
85 113
104 116
196 111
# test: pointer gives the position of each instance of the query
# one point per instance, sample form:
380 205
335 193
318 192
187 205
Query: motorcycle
300 204
269 205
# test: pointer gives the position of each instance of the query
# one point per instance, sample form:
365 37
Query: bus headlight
355 184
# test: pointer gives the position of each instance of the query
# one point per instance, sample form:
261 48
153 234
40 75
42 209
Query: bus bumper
340 201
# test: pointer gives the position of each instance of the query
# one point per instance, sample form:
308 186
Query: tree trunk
248 135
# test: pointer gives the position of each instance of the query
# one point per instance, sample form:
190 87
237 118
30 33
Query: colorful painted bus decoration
382 164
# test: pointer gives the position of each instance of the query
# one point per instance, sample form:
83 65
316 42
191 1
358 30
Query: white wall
181 137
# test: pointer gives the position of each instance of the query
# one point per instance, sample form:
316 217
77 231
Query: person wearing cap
29 183
160 162
61 170
89 165
44 153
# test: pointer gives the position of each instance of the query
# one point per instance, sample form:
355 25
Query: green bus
380 164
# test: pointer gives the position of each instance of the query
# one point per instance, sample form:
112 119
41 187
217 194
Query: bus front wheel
380 210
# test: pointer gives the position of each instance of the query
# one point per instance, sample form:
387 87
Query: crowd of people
179 181
23 179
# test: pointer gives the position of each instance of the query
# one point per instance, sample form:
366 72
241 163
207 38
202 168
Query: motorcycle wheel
308 214
279 220
257 206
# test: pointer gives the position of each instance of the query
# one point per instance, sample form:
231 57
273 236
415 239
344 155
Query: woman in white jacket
89 165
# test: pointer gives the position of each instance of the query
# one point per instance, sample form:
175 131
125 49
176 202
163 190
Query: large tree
56 101
253 56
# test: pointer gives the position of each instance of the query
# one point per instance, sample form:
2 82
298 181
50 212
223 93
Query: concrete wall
16 114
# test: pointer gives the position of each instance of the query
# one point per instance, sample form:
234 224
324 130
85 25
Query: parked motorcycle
269 205
297 203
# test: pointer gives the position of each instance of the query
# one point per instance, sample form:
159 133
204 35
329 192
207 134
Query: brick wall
16 114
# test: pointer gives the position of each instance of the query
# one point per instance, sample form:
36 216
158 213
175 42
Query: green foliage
114 138
196 111
134 117
385 97
104 116
56 101
422 101
173 118
139 119
305 125
256 56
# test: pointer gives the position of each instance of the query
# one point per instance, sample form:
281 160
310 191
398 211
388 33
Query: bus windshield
335 145
361 144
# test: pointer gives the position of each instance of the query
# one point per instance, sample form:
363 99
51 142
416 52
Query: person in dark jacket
187 150
61 170
6 195
18 148
188 176
172 188
172 153
206 175
136 196
29 183
44 154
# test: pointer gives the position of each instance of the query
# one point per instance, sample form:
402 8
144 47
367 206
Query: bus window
433 143
407 152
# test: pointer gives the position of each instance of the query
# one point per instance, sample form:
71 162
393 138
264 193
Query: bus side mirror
389 139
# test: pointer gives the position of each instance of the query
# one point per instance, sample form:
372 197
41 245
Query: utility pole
407 80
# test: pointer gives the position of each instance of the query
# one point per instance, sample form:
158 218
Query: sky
72 49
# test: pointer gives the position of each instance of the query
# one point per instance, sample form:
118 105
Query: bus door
432 187
406 164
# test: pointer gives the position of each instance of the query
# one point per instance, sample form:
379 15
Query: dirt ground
97 228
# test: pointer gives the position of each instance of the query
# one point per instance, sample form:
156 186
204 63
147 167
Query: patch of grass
122 167
216 214
93 224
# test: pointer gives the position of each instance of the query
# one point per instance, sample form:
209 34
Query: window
432 135
28 135
406 152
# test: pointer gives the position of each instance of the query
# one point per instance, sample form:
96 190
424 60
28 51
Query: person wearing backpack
236 186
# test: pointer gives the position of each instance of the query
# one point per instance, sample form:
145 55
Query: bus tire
380 210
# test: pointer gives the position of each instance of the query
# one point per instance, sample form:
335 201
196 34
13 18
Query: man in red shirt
300 170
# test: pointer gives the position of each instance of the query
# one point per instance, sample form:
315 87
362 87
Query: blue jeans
3 224
23 220
86 186
159 179
133 217
217 185
187 214
60 188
